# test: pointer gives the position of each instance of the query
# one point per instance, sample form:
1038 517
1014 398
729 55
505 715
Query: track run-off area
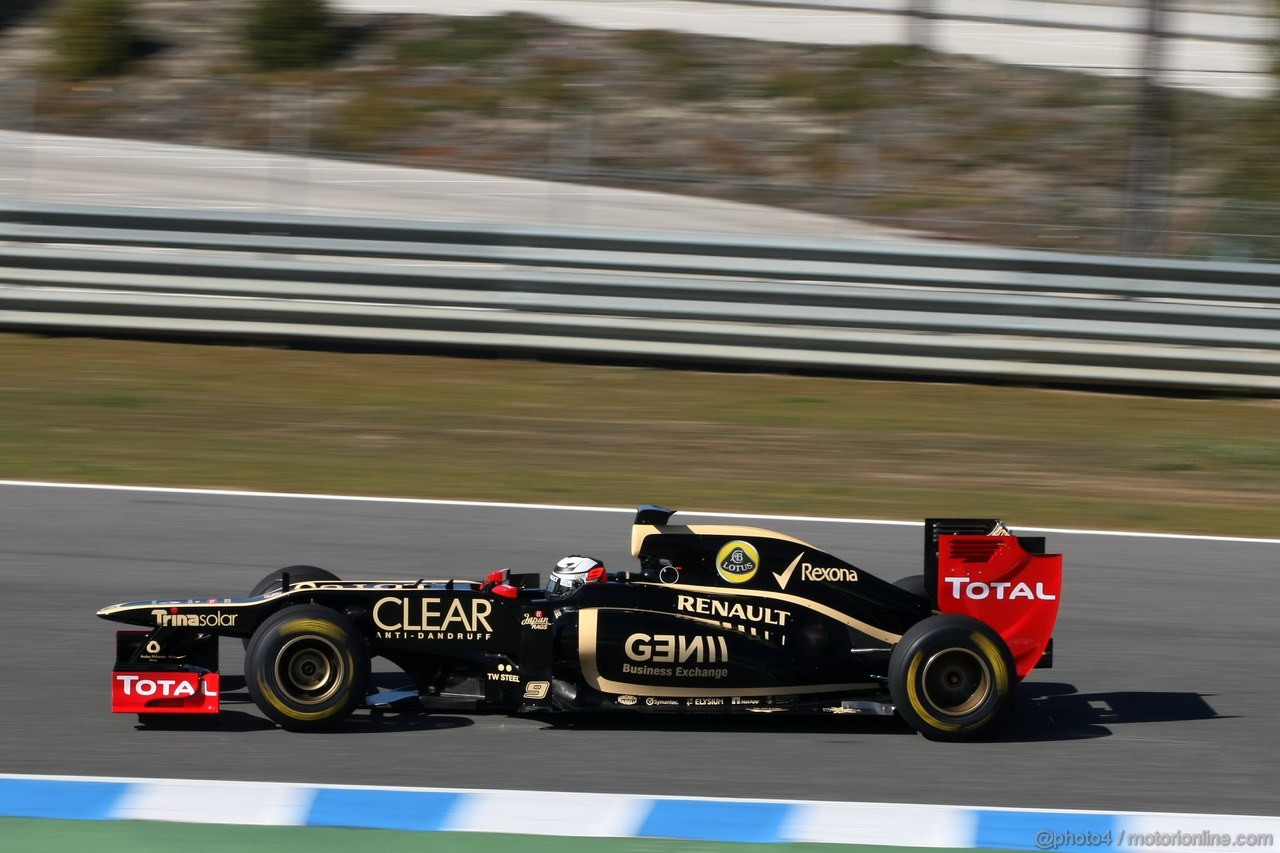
1161 698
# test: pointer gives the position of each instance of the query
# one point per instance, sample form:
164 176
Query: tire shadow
1048 711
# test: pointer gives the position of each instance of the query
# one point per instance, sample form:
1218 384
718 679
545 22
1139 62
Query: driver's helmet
571 573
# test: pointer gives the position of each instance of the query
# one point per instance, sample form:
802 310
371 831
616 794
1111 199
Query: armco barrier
926 309
622 815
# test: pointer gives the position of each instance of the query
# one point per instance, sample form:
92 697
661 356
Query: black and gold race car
714 618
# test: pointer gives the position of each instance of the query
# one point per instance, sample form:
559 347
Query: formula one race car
716 619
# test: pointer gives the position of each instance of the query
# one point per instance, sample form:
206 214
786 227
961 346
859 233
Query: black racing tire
913 584
952 678
297 574
307 668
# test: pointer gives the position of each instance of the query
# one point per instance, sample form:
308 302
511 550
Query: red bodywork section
993 579
149 692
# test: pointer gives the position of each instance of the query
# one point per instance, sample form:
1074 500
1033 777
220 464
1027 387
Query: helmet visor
561 585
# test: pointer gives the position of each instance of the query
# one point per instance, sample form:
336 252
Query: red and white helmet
572 572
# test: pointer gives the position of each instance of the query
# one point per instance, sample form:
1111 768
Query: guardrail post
1150 145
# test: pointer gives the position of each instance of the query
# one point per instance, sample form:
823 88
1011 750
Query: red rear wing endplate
995 580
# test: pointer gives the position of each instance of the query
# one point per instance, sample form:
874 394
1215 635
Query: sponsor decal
810 572
536 621
699 649
433 618
670 648
784 577
626 700
737 561
171 619
164 693
699 702
738 700
998 590
654 702
828 574
165 688
506 672
753 619
732 610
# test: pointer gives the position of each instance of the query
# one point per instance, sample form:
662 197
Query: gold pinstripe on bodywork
830 612
587 641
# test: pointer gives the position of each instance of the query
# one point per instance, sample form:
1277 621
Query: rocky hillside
946 144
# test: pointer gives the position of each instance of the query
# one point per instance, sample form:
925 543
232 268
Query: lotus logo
737 561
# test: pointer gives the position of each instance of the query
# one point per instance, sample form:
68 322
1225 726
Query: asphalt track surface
1163 698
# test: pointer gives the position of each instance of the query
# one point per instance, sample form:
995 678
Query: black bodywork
714 619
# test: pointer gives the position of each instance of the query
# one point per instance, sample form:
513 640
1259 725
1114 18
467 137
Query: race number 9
537 689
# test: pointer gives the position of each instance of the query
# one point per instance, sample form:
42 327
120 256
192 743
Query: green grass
58 836
467 40
418 426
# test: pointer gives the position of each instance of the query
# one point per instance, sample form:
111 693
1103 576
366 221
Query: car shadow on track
747 723
1048 711
234 695
362 723
1044 711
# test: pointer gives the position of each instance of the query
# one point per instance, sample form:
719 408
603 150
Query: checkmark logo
783 578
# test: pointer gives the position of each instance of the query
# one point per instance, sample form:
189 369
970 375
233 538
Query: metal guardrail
1225 21
932 309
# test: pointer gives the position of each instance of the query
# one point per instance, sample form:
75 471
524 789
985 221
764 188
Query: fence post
1150 143
920 24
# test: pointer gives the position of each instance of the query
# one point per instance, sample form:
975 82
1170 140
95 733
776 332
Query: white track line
569 508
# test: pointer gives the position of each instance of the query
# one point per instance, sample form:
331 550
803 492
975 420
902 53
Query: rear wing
936 527
978 567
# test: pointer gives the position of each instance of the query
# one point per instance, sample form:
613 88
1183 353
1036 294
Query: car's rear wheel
307 668
952 678
913 584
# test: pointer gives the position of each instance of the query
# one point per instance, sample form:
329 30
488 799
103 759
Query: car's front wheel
307 668
952 678
274 582
297 574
